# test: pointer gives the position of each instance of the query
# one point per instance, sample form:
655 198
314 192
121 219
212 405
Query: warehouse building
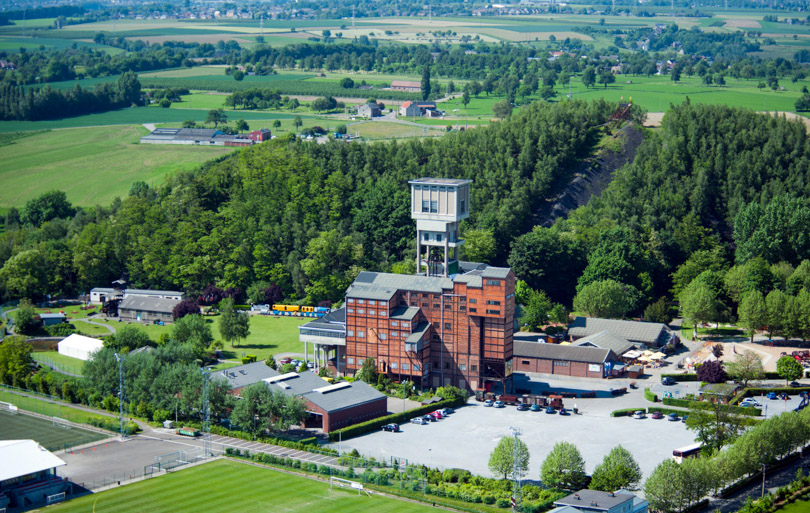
147 309
450 324
643 335
102 294
563 360
330 406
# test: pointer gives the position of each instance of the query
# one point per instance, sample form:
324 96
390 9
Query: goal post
8 407
62 423
345 483
57 497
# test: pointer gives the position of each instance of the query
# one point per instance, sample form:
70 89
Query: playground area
54 434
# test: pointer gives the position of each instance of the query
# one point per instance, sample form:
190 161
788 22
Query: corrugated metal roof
594 500
148 304
305 384
606 340
633 331
244 375
560 352
496 272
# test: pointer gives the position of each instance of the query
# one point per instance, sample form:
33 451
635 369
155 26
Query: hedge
625 412
398 418
305 444
650 396
686 403
681 377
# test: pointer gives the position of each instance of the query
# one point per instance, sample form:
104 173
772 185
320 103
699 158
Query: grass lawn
72 311
42 407
92 165
268 335
802 505
226 485
385 130
53 438
66 363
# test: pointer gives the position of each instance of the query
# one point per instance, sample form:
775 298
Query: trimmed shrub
625 412
648 395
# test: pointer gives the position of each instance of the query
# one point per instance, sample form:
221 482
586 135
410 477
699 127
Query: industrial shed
643 335
147 309
606 340
565 360
79 346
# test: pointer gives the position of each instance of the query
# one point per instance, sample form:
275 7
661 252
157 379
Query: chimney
577 497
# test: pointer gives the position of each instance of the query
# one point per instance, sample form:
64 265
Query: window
491 302
473 310
494 312
446 365
394 333
394 365
410 348
404 366
462 299
383 313
360 361
463 206
361 311
434 207
462 367
425 206
417 367
361 301
350 360
372 312
438 237
524 362
350 300
448 306
435 365
494 283
435 305
473 368
448 326
463 308
372 302
425 236
425 305
473 300
361 334
383 336
350 310
394 324
560 364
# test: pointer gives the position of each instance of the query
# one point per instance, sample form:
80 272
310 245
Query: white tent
79 346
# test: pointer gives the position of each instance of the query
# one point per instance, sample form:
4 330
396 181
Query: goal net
62 423
57 497
8 408
345 483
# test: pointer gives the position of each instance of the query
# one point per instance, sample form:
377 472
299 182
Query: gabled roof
148 304
606 340
22 457
593 500
560 352
404 313
633 331
52 316
244 375
334 320
319 392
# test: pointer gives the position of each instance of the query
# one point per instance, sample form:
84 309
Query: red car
657 415
436 414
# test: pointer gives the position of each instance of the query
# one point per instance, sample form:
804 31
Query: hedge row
112 424
305 444
648 395
686 403
625 412
693 376
398 418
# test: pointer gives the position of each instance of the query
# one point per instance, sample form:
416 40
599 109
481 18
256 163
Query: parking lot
466 438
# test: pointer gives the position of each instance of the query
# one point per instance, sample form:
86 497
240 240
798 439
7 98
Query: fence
65 368
34 402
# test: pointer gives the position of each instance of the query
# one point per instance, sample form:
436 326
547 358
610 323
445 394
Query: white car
488 403
419 420
499 404
750 403
640 415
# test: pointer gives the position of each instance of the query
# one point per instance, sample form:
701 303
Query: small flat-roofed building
595 501
50 319
147 309
100 294
28 473
642 335
409 86
79 346
563 360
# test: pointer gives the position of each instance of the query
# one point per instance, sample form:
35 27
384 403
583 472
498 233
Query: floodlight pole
515 475
206 412
120 359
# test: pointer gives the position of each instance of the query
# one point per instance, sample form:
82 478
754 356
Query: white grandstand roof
23 457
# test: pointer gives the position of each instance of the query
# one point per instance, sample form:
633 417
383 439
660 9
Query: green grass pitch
25 427
225 485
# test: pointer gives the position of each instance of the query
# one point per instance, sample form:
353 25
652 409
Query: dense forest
714 203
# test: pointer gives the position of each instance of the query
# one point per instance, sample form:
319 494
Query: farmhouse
147 309
329 406
102 294
642 335
565 360
419 109
406 85
28 473
79 346
369 110
450 324
204 137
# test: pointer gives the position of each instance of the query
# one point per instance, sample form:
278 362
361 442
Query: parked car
522 407
673 417
750 402
657 415
550 410
772 396
535 407
437 414
429 418
499 404
795 384
668 381
488 403
683 419
419 420
446 411
285 361
640 415
394 428
564 412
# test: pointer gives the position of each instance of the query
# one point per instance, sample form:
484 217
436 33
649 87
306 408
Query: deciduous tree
564 467
503 459
606 298
15 360
746 366
617 470
789 369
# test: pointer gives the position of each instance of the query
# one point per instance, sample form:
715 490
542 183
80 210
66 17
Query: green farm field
92 165
50 436
226 485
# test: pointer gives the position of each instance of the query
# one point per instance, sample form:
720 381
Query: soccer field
226 485
52 437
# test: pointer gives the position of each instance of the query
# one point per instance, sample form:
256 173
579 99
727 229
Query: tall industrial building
450 324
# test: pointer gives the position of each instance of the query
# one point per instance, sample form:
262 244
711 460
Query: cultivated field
52 437
226 485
